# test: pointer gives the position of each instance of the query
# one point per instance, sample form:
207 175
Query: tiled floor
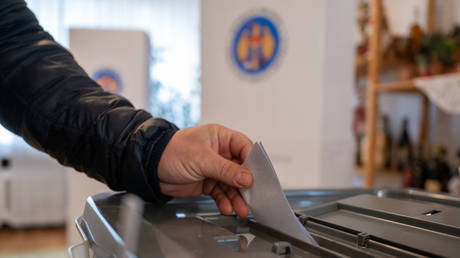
39 242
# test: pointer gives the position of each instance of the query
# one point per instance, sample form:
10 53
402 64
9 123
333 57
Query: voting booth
119 61
270 69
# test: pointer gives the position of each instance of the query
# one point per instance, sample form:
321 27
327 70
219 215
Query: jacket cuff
154 160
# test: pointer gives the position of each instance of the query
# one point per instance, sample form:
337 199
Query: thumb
226 171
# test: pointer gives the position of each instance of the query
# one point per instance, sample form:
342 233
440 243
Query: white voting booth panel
118 59
300 106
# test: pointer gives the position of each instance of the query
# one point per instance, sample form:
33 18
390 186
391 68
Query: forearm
51 102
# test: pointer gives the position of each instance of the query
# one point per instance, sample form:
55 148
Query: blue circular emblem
108 79
256 45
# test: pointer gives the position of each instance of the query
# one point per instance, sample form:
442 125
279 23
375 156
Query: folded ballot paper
266 199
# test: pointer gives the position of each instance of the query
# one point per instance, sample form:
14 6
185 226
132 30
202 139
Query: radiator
32 192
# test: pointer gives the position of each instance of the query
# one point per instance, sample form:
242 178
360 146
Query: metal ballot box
345 223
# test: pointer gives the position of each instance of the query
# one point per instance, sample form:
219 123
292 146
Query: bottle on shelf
416 34
404 147
438 171
412 46
415 171
359 127
388 142
380 145
407 176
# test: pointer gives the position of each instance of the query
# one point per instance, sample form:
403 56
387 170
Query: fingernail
243 179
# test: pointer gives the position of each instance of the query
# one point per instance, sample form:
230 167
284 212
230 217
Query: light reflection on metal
180 215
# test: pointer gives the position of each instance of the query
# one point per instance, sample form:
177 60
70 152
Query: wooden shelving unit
401 86
375 87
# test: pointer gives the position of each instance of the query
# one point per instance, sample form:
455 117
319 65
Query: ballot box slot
431 212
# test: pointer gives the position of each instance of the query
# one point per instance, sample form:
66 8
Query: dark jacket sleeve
49 100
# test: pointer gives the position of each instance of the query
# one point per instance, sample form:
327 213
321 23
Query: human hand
206 160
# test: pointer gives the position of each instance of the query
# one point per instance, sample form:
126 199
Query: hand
206 160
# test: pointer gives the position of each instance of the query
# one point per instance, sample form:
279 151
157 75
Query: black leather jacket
49 100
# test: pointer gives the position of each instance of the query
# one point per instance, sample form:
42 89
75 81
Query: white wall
302 101
337 94
401 15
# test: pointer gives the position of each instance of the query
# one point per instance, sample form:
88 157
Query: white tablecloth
443 90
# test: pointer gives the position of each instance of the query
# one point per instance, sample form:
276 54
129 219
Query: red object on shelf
407 177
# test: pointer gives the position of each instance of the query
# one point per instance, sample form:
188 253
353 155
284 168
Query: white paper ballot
266 199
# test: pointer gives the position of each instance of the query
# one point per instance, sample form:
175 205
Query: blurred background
341 93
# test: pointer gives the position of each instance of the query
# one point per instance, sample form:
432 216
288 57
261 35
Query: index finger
240 145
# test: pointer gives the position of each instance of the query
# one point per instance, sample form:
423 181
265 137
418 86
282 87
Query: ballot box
345 223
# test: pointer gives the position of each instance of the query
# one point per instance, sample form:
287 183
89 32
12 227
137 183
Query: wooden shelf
399 86
376 64
405 86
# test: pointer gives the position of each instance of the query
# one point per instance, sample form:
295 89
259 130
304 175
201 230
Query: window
6 138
